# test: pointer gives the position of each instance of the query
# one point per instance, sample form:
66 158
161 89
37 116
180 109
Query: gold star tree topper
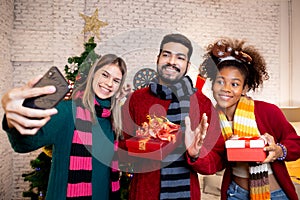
93 24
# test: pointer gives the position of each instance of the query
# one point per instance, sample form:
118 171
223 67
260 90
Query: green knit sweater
59 132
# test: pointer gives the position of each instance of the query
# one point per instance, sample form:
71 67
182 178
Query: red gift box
152 148
246 149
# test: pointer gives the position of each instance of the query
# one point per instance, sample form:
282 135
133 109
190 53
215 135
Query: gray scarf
175 177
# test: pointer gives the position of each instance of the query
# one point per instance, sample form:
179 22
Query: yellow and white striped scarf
244 124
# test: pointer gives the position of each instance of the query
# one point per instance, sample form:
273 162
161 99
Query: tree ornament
93 24
47 150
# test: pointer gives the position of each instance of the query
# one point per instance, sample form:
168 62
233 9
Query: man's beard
167 80
173 66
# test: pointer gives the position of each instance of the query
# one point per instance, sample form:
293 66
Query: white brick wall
6 25
36 34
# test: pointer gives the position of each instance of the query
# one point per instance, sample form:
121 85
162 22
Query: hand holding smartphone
52 77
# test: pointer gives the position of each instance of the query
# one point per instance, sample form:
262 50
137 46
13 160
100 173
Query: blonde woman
82 131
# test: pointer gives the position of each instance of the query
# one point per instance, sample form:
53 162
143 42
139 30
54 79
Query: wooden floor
294 170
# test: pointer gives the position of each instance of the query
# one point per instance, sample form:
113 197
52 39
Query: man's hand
26 120
126 89
194 139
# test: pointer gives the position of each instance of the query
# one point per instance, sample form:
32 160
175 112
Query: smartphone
52 77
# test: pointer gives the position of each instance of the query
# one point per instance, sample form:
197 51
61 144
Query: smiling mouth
226 97
104 88
172 66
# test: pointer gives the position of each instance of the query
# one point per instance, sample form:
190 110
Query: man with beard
171 95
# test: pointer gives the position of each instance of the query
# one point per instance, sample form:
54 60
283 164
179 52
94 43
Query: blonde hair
89 95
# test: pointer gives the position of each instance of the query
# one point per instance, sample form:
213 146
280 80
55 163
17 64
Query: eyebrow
111 75
235 79
178 54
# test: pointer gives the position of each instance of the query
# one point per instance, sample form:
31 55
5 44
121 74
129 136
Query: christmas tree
78 66
85 61
38 178
126 176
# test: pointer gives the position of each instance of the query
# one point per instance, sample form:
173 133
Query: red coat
200 82
141 103
271 120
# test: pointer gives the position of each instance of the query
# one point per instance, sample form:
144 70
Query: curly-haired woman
234 70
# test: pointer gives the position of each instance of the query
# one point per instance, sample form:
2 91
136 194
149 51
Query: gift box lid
141 144
152 148
245 142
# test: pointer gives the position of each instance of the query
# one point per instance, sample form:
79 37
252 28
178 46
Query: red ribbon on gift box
247 140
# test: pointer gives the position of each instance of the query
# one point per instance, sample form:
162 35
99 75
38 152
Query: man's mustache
173 66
